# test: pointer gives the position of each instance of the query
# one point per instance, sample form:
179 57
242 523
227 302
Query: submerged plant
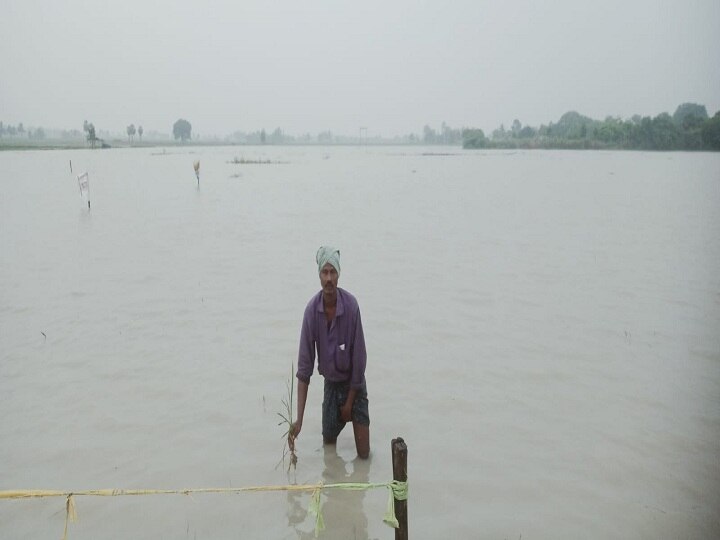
243 161
287 420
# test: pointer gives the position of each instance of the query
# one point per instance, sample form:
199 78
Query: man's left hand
346 412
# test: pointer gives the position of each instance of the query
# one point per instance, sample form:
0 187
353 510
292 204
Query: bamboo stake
399 458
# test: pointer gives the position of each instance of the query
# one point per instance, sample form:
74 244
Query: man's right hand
302 392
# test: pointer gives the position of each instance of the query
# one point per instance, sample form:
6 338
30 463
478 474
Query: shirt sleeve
359 354
306 353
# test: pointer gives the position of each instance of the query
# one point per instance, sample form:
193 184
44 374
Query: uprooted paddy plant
287 420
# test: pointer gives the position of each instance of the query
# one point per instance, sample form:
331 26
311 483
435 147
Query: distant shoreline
60 144
54 144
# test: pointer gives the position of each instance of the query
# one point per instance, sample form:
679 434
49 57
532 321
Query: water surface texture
542 330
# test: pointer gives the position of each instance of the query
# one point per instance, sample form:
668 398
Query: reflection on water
342 510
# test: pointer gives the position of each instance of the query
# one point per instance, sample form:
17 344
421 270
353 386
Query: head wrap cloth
328 254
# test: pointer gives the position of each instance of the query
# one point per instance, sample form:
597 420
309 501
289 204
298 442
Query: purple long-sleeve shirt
340 348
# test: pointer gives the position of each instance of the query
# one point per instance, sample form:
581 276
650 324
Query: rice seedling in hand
287 420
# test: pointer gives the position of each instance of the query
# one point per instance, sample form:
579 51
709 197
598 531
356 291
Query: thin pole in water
399 460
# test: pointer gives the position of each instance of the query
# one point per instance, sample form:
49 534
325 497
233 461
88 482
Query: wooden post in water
399 458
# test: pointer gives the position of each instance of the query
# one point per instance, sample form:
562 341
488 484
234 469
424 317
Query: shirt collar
339 309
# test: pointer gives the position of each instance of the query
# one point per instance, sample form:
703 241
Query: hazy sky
392 66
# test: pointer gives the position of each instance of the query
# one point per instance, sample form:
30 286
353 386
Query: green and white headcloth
328 254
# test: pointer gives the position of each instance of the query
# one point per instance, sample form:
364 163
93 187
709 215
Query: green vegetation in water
287 420
42 144
243 161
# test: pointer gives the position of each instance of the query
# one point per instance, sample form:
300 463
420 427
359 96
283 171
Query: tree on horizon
89 128
182 130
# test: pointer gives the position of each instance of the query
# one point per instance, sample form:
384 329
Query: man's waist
336 380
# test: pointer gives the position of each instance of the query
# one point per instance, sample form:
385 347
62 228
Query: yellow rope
397 490
34 493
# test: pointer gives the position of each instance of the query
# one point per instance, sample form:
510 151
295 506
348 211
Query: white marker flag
196 166
84 185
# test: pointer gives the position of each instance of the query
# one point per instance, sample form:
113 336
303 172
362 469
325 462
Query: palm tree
90 128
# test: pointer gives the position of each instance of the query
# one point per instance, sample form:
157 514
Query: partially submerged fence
395 514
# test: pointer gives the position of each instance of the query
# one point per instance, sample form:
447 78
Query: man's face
328 279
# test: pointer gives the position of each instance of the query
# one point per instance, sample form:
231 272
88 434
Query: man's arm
306 361
359 355
301 399
346 409
357 378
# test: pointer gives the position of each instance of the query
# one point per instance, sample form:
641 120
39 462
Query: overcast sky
311 66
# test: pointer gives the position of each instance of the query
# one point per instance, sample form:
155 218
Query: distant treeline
689 128
20 131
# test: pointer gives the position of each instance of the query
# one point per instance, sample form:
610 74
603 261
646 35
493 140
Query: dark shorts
334 397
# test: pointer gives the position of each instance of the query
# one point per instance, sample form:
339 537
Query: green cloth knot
399 489
396 490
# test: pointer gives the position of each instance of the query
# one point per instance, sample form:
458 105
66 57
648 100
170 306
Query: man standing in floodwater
332 327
